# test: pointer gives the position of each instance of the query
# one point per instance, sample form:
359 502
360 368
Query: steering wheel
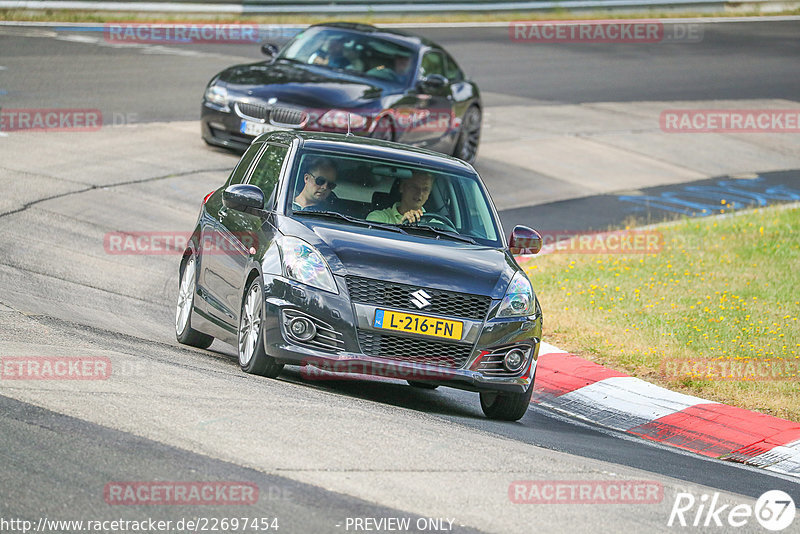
436 220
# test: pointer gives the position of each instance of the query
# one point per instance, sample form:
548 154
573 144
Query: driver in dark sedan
319 182
334 57
414 192
401 65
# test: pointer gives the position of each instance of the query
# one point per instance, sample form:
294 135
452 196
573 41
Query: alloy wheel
185 297
472 135
250 324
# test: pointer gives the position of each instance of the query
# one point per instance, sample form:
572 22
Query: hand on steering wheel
441 219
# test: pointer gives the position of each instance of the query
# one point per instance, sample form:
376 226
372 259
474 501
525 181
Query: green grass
724 289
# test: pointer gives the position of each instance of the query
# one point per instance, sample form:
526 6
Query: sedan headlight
519 298
337 118
304 263
217 94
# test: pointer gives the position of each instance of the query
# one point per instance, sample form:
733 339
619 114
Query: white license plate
257 128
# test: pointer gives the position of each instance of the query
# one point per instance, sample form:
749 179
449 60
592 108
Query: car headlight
217 94
337 118
304 263
519 298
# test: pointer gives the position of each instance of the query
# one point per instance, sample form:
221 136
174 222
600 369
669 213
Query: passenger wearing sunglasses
319 182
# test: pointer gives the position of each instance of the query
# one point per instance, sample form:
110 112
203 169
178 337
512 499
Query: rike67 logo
774 510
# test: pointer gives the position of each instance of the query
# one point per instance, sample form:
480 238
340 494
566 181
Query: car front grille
253 111
279 116
448 303
291 118
407 349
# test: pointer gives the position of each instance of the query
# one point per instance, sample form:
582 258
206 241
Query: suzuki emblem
420 299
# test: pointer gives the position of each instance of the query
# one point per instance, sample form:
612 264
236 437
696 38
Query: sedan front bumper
346 332
222 128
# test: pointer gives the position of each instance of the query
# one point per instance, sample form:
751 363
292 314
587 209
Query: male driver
334 57
398 72
414 193
319 182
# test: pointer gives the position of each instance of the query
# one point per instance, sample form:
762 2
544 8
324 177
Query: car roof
364 146
384 33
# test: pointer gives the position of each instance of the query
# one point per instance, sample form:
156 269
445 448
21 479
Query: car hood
301 85
408 259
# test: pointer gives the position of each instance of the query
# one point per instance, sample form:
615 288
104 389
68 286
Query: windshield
452 206
354 53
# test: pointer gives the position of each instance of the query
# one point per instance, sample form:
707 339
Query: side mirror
433 82
269 50
524 240
243 197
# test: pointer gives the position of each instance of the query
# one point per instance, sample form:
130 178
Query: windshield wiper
348 218
440 232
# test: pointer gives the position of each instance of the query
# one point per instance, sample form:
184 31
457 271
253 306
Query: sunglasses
322 181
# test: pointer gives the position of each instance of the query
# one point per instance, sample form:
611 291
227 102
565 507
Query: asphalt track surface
60 448
732 61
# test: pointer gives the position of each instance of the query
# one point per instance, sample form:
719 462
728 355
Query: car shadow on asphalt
442 401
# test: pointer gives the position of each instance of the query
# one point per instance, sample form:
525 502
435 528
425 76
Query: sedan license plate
257 128
418 324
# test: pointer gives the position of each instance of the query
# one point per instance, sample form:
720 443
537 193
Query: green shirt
389 215
320 206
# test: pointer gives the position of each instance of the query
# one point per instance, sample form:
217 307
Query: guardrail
254 7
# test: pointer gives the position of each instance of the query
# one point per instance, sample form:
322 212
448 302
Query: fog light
514 360
302 329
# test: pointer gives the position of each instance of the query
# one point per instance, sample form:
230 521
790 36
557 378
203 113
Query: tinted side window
268 168
240 171
432 63
452 72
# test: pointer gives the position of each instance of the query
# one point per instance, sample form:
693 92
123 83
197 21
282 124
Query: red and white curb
585 390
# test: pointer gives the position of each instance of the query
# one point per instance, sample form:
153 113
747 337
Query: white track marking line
624 402
547 348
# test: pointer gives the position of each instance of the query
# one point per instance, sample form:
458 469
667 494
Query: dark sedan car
337 77
402 271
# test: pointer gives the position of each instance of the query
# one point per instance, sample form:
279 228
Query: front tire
253 359
183 314
470 136
506 406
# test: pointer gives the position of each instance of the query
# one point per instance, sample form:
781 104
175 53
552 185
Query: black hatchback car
375 82
349 255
